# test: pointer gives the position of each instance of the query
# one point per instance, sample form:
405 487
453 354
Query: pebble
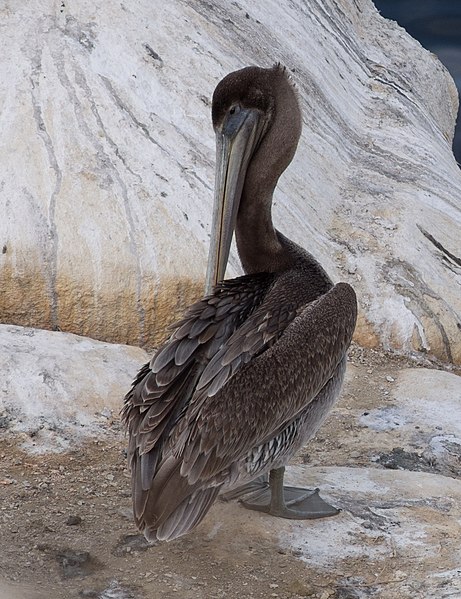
74 563
87 593
73 520
130 544
106 413
126 513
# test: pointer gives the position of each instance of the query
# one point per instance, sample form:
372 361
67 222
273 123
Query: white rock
429 399
389 518
397 533
424 411
107 162
54 386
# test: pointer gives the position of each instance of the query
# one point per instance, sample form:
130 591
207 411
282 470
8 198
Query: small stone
390 379
126 513
73 520
76 563
299 588
106 413
130 544
88 593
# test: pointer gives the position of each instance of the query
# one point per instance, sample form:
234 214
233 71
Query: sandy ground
66 529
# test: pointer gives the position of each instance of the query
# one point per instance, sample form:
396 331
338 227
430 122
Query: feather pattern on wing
165 385
282 380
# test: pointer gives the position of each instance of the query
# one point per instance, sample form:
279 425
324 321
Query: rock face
58 389
107 163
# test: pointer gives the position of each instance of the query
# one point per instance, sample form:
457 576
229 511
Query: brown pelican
250 372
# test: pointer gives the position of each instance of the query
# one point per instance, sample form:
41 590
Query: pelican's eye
233 120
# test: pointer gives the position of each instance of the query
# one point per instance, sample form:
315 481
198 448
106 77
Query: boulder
59 389
108 163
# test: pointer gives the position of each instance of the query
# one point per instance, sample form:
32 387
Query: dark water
436 24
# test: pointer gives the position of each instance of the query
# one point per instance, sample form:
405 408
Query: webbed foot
297 504
284 502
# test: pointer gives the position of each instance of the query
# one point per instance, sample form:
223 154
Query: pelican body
249 374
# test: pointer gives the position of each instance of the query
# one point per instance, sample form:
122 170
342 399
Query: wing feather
185 350
287 372
255 335
163 388
164 356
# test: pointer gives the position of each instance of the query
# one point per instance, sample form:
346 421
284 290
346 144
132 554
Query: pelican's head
247 104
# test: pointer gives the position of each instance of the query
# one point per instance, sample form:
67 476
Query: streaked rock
107 163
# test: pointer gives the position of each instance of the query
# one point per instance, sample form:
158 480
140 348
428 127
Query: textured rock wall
107 162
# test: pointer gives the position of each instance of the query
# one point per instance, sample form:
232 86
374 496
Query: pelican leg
289 502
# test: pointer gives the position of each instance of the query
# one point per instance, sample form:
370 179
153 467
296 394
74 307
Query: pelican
249 374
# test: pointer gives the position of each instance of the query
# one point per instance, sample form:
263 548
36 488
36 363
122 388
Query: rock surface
394 523
107 162
389 456
57 389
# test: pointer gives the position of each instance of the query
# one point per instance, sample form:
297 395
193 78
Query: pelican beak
236 141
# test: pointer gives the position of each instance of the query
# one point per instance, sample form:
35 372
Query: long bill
236 141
